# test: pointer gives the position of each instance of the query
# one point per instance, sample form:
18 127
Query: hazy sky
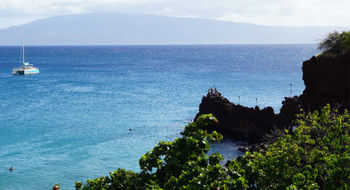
265 12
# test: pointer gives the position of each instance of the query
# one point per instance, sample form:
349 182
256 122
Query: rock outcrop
290 107
327 80
238 121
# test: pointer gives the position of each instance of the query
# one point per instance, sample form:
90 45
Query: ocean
71 122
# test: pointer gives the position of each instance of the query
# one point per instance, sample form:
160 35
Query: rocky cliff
238 121
327 80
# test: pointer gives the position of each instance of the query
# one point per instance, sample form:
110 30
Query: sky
263 12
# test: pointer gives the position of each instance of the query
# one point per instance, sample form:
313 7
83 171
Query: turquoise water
71 121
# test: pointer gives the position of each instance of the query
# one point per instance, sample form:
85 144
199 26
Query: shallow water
71 121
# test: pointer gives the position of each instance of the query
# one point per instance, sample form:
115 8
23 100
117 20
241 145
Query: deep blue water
71 121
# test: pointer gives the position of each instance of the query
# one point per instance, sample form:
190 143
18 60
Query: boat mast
22 49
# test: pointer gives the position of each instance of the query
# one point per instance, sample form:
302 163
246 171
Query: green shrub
335 43
180 164
316 155
346 41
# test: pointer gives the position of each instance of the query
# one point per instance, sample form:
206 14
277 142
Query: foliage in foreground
316 155
335 43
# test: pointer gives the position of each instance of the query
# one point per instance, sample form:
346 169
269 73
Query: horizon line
202 44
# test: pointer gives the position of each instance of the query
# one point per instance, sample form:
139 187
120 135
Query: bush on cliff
316 155
335 43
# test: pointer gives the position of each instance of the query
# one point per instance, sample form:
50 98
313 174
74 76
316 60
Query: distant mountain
119 29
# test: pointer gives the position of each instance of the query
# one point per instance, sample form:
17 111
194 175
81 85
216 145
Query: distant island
126 29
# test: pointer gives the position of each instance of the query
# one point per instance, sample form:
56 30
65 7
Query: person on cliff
210 91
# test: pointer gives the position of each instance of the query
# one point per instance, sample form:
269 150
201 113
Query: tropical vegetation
335 43
313 155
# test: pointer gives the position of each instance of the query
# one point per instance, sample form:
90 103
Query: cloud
267 12
3 5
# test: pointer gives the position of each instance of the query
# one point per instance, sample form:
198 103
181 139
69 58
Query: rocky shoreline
326 79
236 121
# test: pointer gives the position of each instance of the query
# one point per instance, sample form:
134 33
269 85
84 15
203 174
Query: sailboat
26 68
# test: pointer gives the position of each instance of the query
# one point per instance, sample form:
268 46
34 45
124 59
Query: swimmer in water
56 187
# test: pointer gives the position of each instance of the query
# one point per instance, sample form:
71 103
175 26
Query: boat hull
25 71
33 72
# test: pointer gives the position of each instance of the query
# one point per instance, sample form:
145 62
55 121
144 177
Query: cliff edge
237 121
327 80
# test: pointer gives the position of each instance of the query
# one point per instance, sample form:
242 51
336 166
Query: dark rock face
290 107
237 121
250 124
327 80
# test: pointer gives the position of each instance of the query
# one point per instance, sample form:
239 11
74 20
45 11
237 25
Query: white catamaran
26 69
